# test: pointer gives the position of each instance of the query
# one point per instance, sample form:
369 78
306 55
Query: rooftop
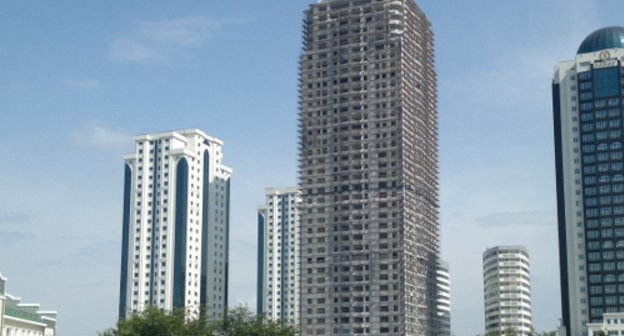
603 38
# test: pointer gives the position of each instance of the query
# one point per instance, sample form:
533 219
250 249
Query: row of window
602 124
603 167
604 211
607 266
600 114
599 103
604 200
601 135
607 289
596 313
604 222
590 148
606 233
603 189
606 255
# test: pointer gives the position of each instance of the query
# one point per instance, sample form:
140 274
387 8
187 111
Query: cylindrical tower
507 290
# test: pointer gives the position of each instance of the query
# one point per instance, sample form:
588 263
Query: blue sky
79 78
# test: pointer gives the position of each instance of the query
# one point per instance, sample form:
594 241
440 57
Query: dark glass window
606 82
584 75
595 278
586 96
587 106
614 112
587 117
595 289
585 86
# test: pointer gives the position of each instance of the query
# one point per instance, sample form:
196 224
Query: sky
79 78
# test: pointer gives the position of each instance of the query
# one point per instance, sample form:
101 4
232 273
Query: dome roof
603 38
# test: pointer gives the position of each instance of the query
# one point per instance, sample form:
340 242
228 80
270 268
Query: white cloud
128 50
102 138
185 31
152 40
83 83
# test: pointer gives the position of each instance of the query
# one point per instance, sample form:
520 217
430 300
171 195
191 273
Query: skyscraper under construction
368 169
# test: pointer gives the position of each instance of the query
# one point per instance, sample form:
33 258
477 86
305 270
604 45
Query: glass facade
180 234
123 286
600 105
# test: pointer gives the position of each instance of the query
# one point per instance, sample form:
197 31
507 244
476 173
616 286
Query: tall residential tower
507 290
175 224
587 103
368 169
278 255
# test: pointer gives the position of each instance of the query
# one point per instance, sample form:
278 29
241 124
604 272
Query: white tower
278 255
175 224
507 290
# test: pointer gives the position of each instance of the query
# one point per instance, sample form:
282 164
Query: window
587 127
595 278
607 82
587 95
589 148
585 85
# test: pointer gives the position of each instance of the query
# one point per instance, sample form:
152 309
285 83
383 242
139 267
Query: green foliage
509 331
238 322
545 333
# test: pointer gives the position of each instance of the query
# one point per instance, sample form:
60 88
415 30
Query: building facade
175 224
507 290
612 324
443 313
368 169
23 319
278 255
587 105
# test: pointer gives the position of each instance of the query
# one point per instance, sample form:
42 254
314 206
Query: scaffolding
368 170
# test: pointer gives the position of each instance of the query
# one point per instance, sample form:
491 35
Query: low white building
23 319
612 324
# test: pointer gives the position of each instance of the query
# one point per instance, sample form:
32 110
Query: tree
154 322
545 333
241 322
237 322
510 331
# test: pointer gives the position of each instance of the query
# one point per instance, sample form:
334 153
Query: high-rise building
368 169
507 290
443 313
175 224
587 104
278 255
